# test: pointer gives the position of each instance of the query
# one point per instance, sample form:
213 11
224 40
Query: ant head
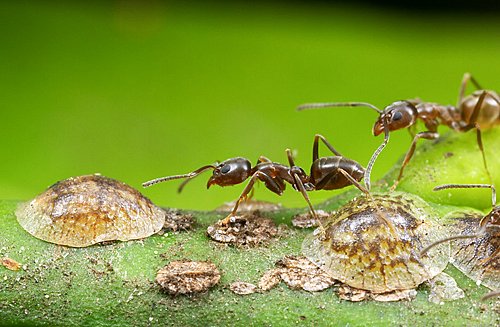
230 172
398 115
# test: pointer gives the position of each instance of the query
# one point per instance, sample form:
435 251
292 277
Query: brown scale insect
327 173
479 110
373 243
476 251
85 210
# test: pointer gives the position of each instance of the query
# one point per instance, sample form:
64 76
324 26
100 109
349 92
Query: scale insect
476 250
373 243
85 210
479 110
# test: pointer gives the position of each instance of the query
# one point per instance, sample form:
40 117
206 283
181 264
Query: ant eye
397 116
225 169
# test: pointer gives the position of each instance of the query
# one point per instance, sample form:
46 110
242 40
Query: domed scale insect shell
85 210
375 244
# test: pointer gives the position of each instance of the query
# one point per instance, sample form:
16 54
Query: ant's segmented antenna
374 157
493 194
320 105
189 177
490 295
482 222
492 187
444 240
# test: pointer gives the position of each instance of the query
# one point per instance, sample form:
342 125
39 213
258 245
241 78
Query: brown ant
327 173
479 110
489 221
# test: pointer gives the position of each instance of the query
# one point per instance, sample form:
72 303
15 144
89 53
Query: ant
327 173
487 240
479 110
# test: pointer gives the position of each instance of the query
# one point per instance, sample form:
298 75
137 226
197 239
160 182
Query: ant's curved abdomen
488 116
325 174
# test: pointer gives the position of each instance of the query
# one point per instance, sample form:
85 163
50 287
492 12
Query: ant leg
481 148
289 155
354 182
422 135
263 159
270 184
467 77
473 124
412 130
302 190
250 195
317 137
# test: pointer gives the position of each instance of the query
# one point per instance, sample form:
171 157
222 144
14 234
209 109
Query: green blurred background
141 89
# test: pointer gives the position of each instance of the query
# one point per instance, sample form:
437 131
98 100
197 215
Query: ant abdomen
489 115
326 175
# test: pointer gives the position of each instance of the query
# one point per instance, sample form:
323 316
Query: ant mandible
483 235
327 173
479 110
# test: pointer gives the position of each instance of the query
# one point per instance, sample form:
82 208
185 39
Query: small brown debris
249 229
11 264
187 277
306 220
403 295
300 273
243 288
175 221
249 206
448 155
270 279
352 294
297 273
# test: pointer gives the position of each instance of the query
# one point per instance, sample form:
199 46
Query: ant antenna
490 295
320 105
188 177
493 194
374 157
444 240
493 191
483 222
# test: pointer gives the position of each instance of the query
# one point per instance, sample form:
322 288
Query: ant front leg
422 135
258 175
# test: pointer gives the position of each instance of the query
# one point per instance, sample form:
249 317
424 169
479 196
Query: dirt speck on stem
188 277
247 230
10 264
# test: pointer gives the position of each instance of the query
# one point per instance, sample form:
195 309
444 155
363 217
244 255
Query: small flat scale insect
479 257
84 210
374 243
